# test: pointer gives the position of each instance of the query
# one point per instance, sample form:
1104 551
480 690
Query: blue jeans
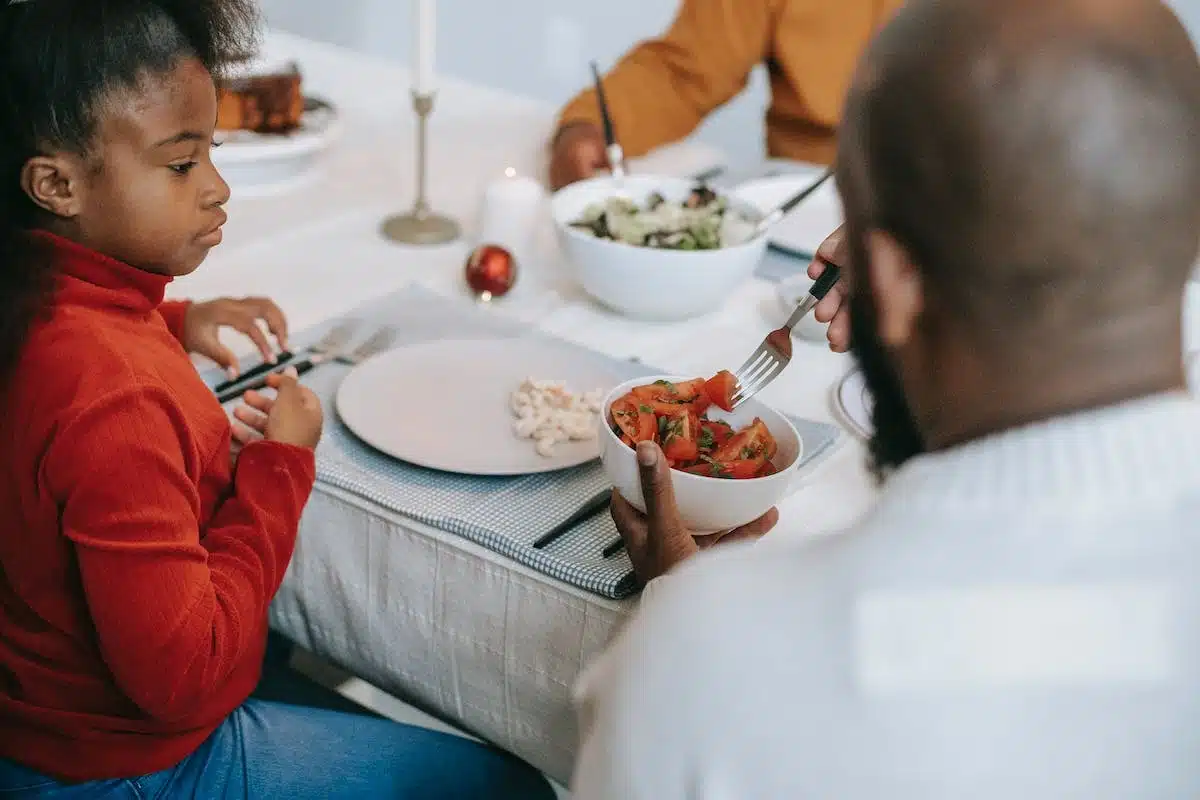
268 750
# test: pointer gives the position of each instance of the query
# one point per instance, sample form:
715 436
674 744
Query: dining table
478 639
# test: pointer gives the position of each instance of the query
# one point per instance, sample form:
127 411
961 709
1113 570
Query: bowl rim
760 238
625 387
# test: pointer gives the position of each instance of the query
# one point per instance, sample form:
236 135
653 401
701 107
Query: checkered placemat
505 514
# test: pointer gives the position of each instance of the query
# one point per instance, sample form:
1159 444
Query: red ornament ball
491 271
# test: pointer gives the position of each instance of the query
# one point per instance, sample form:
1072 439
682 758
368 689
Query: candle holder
421 226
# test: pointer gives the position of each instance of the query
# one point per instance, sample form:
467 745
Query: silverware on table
616 156
588 510
378 342
333 341
775 352
788 205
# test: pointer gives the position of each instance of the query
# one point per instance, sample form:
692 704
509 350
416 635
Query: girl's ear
54 184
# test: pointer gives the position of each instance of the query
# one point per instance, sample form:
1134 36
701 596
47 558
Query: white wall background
538 48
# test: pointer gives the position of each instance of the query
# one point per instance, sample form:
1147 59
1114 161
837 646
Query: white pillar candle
425 26
512 209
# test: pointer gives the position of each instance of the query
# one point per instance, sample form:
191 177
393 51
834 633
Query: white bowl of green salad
657 248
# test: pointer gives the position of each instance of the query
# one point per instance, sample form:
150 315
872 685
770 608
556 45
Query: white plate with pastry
270 134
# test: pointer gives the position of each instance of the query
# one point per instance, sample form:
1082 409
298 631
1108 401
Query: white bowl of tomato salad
729 467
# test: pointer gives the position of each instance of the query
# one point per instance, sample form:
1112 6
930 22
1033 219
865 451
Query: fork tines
762 367
378 341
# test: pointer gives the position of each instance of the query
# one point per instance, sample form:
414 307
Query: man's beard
896 437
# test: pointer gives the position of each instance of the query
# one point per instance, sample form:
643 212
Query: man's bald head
1021 181
1039 160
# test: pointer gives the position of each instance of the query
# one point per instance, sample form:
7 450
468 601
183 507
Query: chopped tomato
672 414
740 470
713 434
720 389
667 392
677 433
666 398
635 421
744 468
750 442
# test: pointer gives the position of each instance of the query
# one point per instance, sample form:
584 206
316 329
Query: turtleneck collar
92 278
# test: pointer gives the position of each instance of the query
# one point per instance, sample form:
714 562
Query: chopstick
589 509
614 547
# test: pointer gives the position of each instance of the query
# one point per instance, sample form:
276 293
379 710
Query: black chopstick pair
588 510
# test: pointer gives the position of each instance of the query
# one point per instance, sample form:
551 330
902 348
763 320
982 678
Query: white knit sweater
1018 618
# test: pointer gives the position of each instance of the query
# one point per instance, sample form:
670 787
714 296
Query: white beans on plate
549 414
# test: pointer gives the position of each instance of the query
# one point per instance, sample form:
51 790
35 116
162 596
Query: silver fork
378 342
775 352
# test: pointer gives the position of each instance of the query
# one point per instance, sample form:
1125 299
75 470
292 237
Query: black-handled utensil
259 384
821 287
377 343
333 341
616 156
588 510
262 369
775 352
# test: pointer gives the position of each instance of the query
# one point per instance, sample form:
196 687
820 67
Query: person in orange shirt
138 556
664 88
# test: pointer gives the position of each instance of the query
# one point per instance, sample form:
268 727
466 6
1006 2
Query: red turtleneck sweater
136 564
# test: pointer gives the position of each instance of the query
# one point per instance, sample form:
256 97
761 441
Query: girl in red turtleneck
137 560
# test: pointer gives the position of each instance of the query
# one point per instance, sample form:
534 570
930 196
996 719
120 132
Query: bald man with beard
1019 617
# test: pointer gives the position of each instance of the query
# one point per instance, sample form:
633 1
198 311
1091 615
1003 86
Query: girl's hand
203 322
293 416
252 413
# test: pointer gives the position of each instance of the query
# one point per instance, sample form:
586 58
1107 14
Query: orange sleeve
174 312
663 89
176 607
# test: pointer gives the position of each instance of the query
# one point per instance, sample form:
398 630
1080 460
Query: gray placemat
506 514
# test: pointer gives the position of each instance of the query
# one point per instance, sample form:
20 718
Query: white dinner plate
257 162
802 231
445 405
853 403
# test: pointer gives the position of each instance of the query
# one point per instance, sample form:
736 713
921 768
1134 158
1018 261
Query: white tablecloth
425 614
